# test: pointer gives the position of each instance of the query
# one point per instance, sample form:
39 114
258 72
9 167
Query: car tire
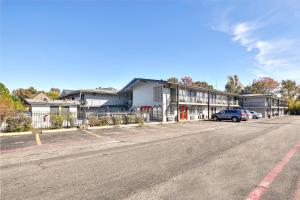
215 119
234 119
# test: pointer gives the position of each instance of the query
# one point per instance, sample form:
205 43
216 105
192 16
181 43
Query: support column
178 112
208 105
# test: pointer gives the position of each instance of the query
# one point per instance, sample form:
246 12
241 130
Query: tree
6 102
233 84
247 90
265 85
54 93
23 94
289 89
187 80
173 80
203 84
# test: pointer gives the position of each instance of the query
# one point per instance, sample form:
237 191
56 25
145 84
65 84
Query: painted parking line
264 185
91 133
38 139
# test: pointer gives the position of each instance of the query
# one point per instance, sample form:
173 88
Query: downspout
278 106
228 106
177 91
208 104
270 102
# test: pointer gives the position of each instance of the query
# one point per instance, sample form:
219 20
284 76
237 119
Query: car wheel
234 119
215 118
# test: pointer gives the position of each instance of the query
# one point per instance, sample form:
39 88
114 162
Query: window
54 110
173 94
64 110
158 94
82 97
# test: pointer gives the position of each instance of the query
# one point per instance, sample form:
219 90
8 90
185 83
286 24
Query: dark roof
262 95
202 89
135 80
66 92
52 102
110 90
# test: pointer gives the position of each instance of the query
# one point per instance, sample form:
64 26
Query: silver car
256 115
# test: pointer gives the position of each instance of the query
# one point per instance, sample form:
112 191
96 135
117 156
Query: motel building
159 100
268 105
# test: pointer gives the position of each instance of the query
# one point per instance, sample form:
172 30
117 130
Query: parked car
235 115
248 114
256 115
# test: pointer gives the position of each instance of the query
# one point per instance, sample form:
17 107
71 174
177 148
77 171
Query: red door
183 112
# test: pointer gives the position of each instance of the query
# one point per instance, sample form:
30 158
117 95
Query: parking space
130 135
68 136
13 142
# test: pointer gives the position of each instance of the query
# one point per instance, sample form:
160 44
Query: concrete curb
15 133
128 125
59 130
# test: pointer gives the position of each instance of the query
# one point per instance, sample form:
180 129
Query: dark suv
235 115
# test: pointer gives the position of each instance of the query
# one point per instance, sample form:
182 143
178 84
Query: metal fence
12 119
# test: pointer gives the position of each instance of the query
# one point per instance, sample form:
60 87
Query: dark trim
141 79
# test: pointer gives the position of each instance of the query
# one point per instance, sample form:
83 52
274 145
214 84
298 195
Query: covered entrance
183 112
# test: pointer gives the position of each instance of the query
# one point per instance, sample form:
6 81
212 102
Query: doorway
183 112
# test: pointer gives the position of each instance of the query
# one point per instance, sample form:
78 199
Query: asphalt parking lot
130 134
193 160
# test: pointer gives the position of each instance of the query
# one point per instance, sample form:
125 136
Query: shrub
104 121
129 119
56 121
139 119
93 121
117 120
18 124
70 119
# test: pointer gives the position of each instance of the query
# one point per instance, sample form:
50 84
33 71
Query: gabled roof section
66 92
42 97
135 81
52 102
110 91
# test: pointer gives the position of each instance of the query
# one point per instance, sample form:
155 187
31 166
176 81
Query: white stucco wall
98 100
143 94
41 115
254 102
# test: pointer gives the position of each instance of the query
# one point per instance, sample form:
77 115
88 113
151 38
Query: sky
72 44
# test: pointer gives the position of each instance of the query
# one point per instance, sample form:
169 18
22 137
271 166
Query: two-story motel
161 100
264 103
165 100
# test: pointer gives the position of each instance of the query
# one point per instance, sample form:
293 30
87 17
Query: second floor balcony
196 100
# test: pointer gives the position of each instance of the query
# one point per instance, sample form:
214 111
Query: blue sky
90 43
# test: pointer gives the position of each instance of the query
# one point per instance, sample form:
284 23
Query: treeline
287 89
15 100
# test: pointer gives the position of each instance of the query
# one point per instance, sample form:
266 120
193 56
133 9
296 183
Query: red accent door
183 112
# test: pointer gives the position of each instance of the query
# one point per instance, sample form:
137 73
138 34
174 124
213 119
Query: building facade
99 100
268 105
164 101
42 108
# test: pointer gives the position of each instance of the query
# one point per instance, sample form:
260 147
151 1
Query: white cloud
279 58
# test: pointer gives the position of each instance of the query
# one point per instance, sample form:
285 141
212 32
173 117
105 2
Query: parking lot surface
193 160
